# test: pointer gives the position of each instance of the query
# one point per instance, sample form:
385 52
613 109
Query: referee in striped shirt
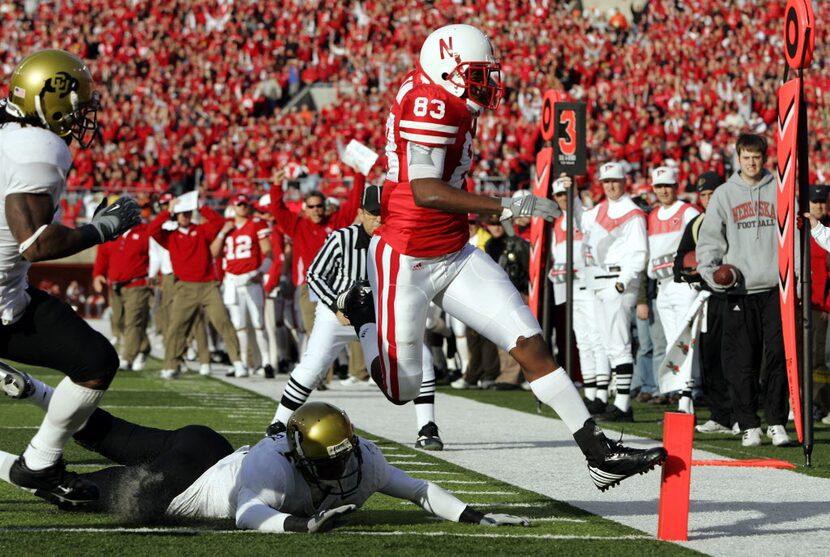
339 264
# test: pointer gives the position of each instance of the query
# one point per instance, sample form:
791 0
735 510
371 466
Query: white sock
262 344
590 393
602 394
557 391
242 336
6 461
69 409
368 337
425 413
623 402
463 352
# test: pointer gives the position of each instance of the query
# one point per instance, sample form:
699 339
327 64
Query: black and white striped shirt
339 264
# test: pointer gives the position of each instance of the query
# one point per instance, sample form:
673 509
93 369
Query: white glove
329 519
529 206
112 221
499 519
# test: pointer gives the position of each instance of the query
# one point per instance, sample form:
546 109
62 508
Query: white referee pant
467 284
592 358
612 315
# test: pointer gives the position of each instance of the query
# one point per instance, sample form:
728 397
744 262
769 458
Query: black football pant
156 464
52 334
715 386
752 331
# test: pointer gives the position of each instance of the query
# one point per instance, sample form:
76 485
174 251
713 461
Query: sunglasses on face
320 206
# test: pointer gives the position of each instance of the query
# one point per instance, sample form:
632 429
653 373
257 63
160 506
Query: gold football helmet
53 89
322 442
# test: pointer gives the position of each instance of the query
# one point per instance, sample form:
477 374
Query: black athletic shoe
283 367
610 462
15 383
614 414
269 371
595 406
54 483
275 429
357 304
428 439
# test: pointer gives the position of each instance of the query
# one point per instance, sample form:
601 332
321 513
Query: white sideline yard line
430 472
515 505
413 463
468 482
485 492
393 533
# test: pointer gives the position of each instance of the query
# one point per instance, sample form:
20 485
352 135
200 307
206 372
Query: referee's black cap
371 200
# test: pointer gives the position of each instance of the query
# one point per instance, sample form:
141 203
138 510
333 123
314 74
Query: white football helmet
460 59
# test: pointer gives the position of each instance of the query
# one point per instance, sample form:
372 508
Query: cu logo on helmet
62 84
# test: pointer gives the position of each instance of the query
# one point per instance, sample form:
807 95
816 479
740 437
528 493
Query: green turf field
648 423
385 526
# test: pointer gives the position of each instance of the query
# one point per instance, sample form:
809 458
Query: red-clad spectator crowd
195 91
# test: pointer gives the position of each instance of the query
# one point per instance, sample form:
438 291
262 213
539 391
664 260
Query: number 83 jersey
429 134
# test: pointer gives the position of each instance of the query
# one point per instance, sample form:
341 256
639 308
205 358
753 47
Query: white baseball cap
611 171
559 186
663 175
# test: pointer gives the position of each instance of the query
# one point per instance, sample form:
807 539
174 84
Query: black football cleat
54 484
610 462
275 429
595 406
357 304
15 383
614 414
269 371
428 438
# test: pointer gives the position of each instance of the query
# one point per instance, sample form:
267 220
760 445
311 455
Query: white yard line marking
484 492
400 455
557 519
413 463
519 505
207 531
470 482
430 472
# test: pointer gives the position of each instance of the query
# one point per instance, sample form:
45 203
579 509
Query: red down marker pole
673 517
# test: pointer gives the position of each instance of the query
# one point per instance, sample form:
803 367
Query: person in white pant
616 245
339 264
592 358
666 224
246 247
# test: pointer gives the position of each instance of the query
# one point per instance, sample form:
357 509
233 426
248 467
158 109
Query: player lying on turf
303 480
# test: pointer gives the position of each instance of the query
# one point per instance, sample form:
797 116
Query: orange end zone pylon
678 438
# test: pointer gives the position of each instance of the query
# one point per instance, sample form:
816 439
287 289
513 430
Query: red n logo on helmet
442 47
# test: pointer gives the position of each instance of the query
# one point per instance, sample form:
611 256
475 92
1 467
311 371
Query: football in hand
690 263
727 275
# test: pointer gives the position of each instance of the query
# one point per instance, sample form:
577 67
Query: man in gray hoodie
740 229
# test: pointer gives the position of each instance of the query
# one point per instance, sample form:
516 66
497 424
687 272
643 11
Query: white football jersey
32 160
265 472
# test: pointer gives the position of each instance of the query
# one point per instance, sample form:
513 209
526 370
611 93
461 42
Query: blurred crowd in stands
200 91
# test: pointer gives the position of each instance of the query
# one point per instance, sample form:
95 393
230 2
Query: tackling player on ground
301 480
421 252
51 102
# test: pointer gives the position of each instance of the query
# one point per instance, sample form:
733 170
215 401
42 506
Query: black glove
321 522
109 222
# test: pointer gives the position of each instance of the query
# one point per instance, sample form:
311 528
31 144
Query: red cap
166 197
239 199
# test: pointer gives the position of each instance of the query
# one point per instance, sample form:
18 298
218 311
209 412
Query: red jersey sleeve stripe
412 124
427 139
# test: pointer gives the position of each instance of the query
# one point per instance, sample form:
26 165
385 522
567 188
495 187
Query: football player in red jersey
421 251
247 258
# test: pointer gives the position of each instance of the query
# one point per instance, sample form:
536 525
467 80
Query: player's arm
438 501
218 243
686 245
711 242
637 244
29 216
263 236
348 211
283 217
213 221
